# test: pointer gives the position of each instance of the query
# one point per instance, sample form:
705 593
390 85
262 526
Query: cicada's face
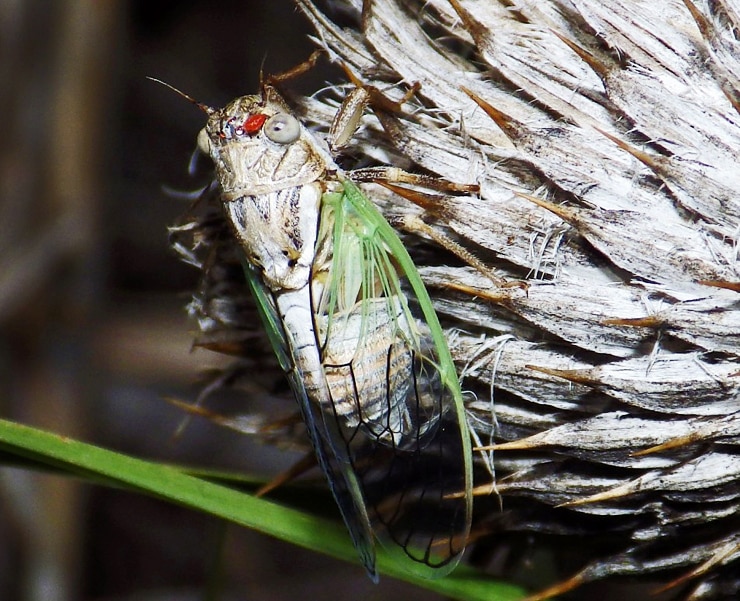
241 118
258 146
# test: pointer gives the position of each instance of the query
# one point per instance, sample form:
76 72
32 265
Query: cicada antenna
203 107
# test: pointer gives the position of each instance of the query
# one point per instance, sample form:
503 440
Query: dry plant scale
582 270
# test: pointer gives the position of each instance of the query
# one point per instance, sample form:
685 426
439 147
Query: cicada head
259 146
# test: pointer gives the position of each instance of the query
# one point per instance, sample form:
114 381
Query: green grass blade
169 483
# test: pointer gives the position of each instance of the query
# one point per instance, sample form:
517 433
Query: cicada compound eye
282 128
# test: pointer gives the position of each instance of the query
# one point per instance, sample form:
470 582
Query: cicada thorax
277 233
272 176
249 167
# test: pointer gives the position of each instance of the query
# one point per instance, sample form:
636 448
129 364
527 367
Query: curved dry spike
203 107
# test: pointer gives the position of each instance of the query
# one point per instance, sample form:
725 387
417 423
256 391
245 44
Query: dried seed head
627 142
605 137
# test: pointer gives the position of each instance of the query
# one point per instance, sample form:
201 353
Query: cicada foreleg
394 175
348 117
294 72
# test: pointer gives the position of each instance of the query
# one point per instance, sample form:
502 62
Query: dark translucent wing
339 473
342 480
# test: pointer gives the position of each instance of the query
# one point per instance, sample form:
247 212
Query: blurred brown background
94 333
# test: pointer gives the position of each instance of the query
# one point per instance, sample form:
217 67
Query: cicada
352 326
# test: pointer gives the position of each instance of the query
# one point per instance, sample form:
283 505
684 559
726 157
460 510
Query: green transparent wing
339 473
395 411
382 403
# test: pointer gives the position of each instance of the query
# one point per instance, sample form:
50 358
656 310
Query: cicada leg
416 225
348 117
388 177
294 72
394 175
